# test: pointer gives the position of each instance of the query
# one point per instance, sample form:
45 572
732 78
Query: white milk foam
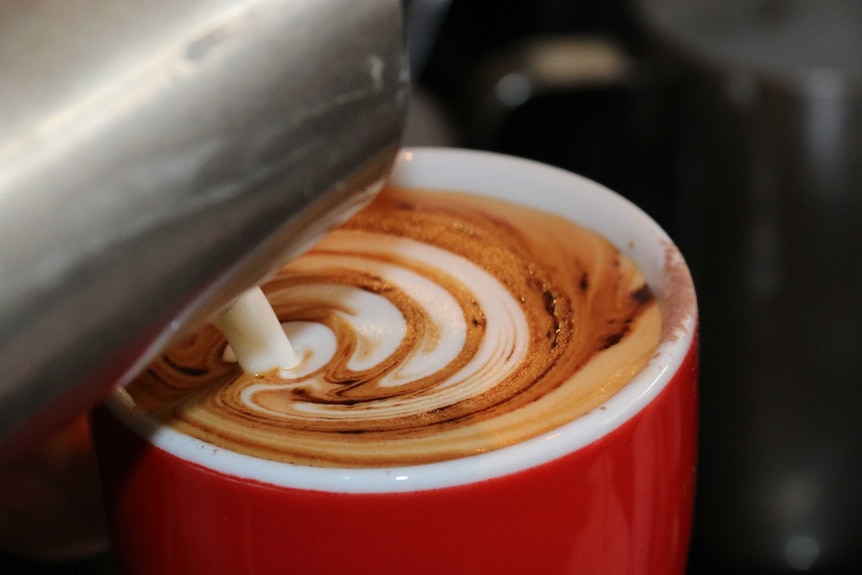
380 329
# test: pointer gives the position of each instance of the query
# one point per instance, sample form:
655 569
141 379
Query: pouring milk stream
254 334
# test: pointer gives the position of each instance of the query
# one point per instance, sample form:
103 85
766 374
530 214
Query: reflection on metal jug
766 99
157 158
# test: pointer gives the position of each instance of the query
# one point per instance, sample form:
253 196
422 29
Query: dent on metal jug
766 98
158 158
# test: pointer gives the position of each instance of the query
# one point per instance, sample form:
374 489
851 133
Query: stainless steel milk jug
157 158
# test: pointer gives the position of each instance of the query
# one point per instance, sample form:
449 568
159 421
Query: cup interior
539 186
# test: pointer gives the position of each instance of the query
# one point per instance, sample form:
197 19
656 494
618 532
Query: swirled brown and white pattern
431 326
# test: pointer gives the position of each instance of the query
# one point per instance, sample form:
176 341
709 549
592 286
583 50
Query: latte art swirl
395 369
431 326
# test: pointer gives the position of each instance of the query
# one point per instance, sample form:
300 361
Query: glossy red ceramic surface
621 505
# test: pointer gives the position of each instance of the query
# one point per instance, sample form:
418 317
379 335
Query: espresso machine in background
738 126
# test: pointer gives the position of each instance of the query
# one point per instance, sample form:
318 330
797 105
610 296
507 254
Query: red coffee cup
610 492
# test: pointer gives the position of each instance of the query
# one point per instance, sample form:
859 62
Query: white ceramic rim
521 181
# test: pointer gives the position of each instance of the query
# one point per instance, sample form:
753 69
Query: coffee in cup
464 352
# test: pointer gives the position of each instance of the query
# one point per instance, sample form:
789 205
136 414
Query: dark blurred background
737 125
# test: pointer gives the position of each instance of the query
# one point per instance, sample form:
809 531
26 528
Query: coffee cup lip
540 186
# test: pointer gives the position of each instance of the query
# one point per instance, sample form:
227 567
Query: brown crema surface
461 324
